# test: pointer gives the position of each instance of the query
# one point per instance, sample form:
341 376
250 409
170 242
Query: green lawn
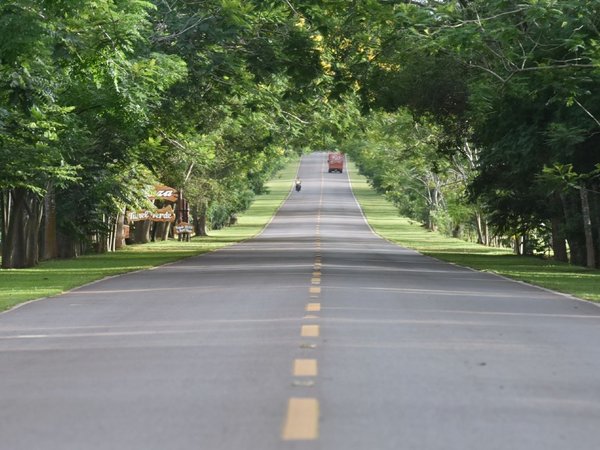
56 276
385 220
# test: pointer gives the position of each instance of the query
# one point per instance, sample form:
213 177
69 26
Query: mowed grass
53 277
385 220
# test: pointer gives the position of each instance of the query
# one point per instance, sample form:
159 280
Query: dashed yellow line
310 331
312 307
302 420
305 368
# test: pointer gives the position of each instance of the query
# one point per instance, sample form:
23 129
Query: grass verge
53 277
385 220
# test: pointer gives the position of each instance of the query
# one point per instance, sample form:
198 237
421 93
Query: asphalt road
315 335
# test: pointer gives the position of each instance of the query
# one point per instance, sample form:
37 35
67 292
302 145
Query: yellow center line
302 420
305 368
315 290
315 280
313 307
310 331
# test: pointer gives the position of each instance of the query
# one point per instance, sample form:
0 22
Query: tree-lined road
316 334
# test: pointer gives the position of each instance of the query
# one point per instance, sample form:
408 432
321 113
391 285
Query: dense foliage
101 99
478 118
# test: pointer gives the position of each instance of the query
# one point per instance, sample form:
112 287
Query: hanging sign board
184 227
136 216
163 215
163 192
160 215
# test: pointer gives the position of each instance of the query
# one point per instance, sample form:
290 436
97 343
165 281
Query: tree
81 90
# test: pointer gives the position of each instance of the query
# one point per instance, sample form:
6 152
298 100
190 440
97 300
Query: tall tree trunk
160 231
559 244
4 211
573 229
103 238
486 232
69 246
142 231
166 231
480 232
518 245
21 245
49 244
587 227
119 231
595 214
112 236
433 207
559 235
200 219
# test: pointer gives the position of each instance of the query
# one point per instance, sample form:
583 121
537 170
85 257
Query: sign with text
184 227
160 215
167 193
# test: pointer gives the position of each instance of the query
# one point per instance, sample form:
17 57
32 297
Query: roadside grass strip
384 218
53 277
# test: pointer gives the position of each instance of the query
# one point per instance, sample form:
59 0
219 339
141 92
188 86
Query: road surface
315 335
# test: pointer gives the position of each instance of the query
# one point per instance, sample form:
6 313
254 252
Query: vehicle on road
335 162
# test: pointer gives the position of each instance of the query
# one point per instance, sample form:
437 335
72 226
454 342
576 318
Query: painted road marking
313 307
310 331
317 273
315 290
302 420
315 280
28 336
305 368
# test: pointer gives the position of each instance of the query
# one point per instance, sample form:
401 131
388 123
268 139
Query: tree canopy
479 118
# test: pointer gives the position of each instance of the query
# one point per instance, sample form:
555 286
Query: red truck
336 162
